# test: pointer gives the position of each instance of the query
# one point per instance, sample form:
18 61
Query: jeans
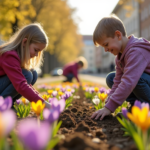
141 92
7 88
69 77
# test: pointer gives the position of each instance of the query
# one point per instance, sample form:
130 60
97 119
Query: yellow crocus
23 100
45 97
69 90
1 126
57 89
96 89
50 92
102 96
37 107
140 117
84 88
60 93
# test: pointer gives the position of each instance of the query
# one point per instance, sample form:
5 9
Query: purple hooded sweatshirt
130 65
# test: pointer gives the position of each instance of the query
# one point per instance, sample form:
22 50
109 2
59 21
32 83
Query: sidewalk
96 78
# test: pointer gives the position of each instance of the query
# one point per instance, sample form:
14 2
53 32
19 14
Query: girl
18 59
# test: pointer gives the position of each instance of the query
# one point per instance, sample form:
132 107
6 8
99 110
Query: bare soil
82 133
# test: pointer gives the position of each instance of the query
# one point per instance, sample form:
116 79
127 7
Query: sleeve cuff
111 105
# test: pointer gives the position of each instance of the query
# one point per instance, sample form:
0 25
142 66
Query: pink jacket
10 66
130 65
71 68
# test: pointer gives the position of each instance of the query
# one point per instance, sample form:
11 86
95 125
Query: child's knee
35 76
109 79
28 75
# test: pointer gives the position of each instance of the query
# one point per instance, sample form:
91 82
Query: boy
71 69
131 81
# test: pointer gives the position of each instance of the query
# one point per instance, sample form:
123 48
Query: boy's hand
101 113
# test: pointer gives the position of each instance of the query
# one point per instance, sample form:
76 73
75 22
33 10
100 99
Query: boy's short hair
82 61
107 27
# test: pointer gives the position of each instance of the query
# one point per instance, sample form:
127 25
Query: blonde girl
19 58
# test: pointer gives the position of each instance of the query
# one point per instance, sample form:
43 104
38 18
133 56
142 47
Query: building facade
145 19
89 53
129 12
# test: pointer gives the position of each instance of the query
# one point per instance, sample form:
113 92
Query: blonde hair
107 27
34 34
83 60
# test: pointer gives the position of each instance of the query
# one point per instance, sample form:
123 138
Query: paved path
93 78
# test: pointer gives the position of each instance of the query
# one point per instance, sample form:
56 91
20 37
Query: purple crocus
124 112
75 86
34 137
102 90
18 101
6 103
145 105
91 90
66 95
138 104
7 121
55 103
51 115
63 89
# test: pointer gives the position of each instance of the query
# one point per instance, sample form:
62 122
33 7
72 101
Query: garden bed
80 132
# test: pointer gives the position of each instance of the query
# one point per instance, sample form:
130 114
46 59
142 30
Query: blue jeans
141 92
7 88
69 77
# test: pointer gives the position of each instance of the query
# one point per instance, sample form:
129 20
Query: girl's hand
101 113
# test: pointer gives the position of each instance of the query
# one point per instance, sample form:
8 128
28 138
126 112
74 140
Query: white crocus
96 101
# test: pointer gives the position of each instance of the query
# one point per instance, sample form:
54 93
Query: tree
54 15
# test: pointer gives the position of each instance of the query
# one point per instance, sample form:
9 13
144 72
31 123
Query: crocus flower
57 89
124 112
34 137
96 101
66 95
7 122
45 97
102 90
6 103
51 115
37 107
137 103
91 90
18 101
84 88
54 93
102 96
60 103
50 92
96 89
69 90
140 117
75 86
72 91
145 105
63 90
60 93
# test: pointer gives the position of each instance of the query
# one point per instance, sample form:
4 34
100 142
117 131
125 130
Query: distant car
56 72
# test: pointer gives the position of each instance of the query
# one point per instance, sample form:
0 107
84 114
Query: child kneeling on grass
131 81
18 59
71 70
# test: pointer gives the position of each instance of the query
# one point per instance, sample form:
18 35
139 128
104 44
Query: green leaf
52 143
56 127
